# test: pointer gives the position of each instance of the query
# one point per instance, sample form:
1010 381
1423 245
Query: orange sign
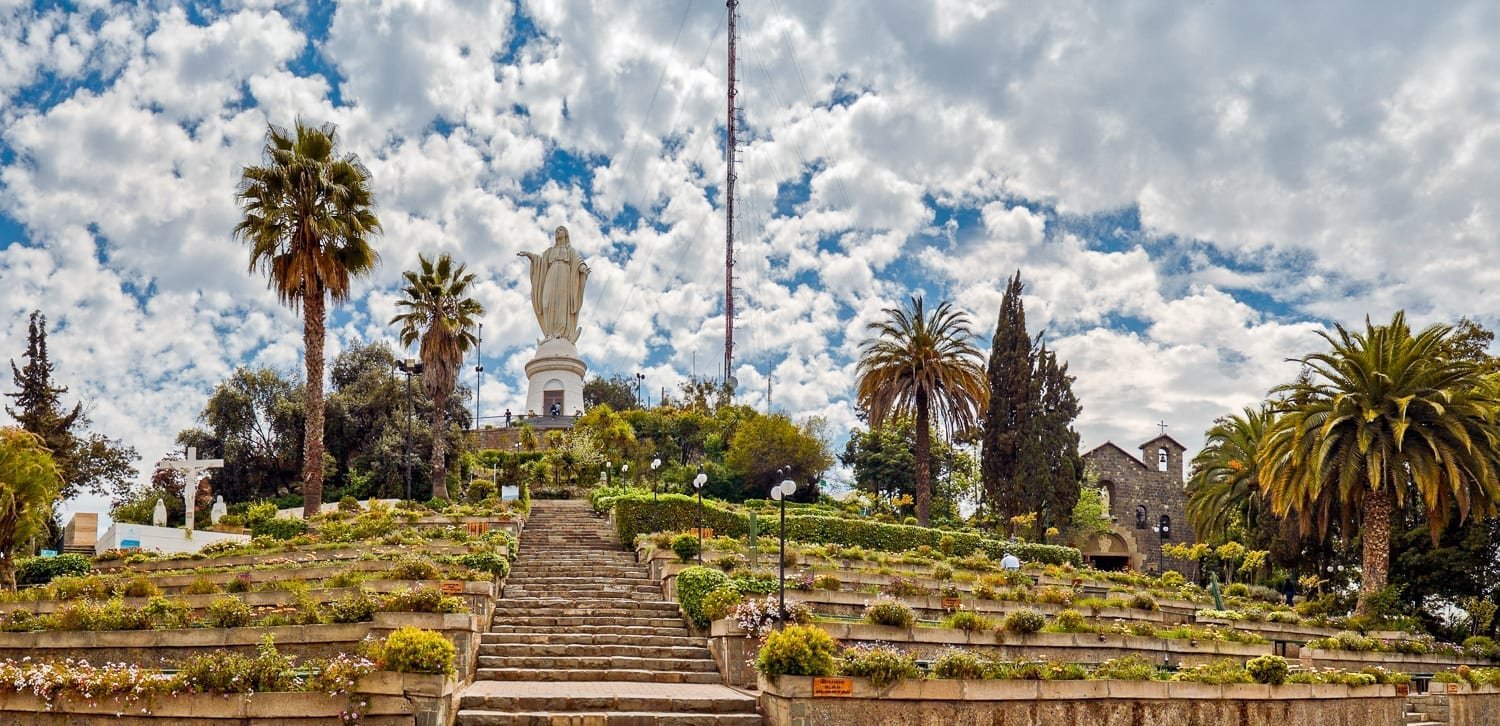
832 687
1452 688
951 603
452 587
708 532
478 528
1403 689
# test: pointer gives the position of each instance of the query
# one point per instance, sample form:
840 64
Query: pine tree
84 461
39 407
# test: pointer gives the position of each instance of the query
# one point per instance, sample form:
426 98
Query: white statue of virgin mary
557 279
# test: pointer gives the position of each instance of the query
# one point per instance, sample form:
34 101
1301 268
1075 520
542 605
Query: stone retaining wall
789 701
733 651
391 699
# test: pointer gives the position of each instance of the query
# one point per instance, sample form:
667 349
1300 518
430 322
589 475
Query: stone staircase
1427 709
582 636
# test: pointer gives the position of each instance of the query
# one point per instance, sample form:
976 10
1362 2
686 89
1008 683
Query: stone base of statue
555 377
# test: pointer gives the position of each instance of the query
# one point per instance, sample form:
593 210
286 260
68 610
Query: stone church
1147 499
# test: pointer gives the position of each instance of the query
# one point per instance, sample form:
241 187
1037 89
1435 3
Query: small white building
123 535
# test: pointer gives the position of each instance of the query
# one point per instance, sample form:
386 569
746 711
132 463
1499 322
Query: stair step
613 674
475 717
606 651
704 664
550 638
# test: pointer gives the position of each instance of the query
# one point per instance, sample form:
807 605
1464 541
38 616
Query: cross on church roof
1163 427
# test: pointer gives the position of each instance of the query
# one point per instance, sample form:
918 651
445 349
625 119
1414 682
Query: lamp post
1163 533
408 366
698 482
655 479
624 471
639 379
779 493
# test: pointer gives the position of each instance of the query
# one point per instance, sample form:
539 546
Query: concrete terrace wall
788 701
391 699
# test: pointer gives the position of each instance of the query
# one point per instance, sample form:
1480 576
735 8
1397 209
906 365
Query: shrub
955 663
412 650
165 614
1172 578
1284 616
968 620
413 568
901 587
1070 621
1270 669
1142 601
279 528
942 571
686 547
1481 646
1024 621
355 607
238 584
422 600
68 588
490 562
693 586
797 650
1238 589
721 602
201 586
42 570
1447 677
138 586
1216 673
350 504
984 591
1133 667
886 611
1055 596
636 514
883 666
827 582
228 612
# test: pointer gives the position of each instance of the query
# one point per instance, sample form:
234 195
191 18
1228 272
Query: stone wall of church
1132 484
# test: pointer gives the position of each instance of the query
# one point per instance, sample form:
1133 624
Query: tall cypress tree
1030 461
1008 419
1062 471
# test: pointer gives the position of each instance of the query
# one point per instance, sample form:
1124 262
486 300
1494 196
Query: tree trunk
440 445
924 467
313 321
1375 554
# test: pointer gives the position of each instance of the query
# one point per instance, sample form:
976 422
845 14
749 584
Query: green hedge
636 515
41 570
694 584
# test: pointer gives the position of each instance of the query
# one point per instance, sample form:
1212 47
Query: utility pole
478 373
729 178
769 377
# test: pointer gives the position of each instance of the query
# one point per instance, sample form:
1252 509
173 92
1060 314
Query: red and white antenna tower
729 177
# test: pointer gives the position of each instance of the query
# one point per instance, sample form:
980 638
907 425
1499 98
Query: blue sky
1190 193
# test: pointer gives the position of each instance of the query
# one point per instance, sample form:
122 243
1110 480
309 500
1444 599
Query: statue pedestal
555 374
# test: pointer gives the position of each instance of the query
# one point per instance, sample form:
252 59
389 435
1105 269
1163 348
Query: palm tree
308 217
1223 485
1383 415
29 485
440 312
922 366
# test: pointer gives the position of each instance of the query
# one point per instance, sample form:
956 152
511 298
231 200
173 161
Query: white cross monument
190 466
